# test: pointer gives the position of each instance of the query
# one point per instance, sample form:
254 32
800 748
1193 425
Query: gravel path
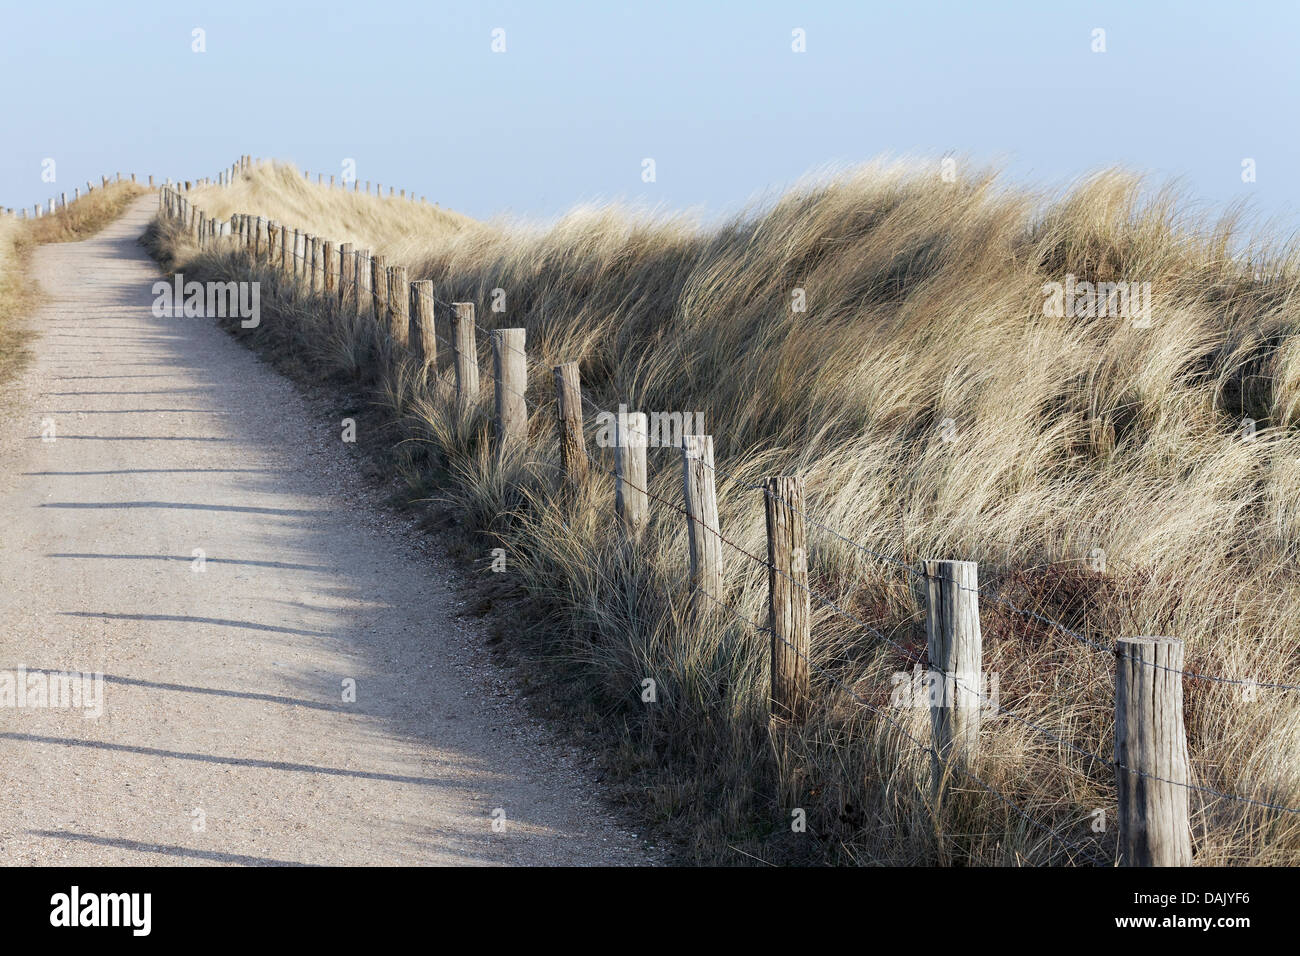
224 736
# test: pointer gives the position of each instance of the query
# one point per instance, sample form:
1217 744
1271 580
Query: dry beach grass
936 411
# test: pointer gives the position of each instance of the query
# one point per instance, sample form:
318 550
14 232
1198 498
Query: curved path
225 736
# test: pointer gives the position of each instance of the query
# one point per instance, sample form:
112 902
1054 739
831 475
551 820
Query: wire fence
337 284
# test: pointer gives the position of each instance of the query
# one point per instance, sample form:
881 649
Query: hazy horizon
583 94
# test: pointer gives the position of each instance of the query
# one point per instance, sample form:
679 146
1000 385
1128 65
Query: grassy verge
885 335
17 295
86 215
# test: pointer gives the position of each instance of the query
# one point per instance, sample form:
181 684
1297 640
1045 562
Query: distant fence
55 203
227 177
1150 764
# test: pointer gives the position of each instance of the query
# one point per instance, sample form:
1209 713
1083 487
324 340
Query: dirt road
194 534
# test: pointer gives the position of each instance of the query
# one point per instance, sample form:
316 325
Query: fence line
1150 833
56 203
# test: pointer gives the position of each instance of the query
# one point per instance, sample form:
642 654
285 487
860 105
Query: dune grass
85 215
1120 477
17 292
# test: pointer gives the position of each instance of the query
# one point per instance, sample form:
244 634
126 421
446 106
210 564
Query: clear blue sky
711 91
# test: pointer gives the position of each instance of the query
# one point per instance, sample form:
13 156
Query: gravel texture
224 736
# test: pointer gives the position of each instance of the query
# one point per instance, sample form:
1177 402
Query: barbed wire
354 286
345 287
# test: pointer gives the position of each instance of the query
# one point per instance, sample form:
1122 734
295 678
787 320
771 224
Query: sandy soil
224 736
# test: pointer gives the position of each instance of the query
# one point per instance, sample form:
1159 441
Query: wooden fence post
379 288
202 229
286 254
1152 772
363 281
568 414
347 273
315 264
955 647
704 535
272 242
510 371
399 303
297 254
465 345
424 339
789 607
331 264
631 502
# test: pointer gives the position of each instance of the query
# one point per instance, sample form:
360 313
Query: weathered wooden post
631 502
704 535
465 345
399 303
272 242
789 607
286 254
203 228
424 339
955 646
379 288
363 282
1152 771
568 415
315 264
297 254
331 264
347 273
510 370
